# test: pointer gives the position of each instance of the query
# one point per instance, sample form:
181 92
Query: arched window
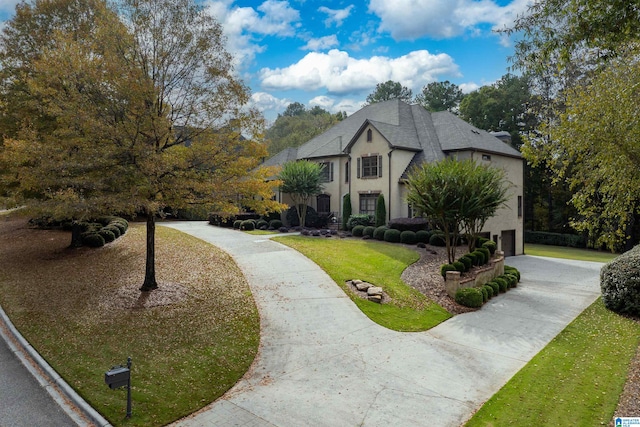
369 135
323 203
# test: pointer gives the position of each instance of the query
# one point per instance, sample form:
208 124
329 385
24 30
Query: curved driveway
323 363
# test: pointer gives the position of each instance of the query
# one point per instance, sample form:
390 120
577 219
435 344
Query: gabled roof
404 126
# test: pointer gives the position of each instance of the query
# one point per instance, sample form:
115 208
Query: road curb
47 377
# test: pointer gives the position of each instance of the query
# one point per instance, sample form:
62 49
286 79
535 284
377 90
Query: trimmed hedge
459 266
512 270
437 239
555 239
408 237
446 267
378 233
107 235
422 236
368 231
275 224
358 219
391 235
92 239
489 290
620 283
358 230
409 224
491 246
467 261
248 225
502 283
495 286
469 297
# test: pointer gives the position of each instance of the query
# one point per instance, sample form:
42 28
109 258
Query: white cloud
332 105
322 43
266 102
412 19
469 87
336 15
339 73
242 24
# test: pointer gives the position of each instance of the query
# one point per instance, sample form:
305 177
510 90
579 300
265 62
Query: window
370 167
369 135
323 203
368 203
346 172
327 172
519 206
486 157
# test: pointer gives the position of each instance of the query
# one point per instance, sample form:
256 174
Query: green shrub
467 261
237 223
381 211
489 290
422 236
437 239
92 239
275 224
112 228
473 257
378 233
248 225
481 241
485 295
480 260
513 279
620 283
469 297
409 224
487 254
358 230
346 210
502 283
495 286
391 235
261 223
556 239
358 219
408 237
368 231
459 266
513 270
491 246
122 228
446 267
107 235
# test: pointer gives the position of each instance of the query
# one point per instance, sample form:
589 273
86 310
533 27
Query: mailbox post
120 376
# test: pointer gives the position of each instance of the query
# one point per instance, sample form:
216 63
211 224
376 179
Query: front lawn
381 264
80 309
568 253
575 380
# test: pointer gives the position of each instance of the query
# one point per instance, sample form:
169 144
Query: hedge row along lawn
568 253
67 305
381 264
575 380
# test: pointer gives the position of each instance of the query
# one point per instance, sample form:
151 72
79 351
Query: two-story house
370 153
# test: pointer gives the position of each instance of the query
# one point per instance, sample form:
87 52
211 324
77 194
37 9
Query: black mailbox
117 377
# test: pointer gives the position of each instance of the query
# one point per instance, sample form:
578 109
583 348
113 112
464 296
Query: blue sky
333 53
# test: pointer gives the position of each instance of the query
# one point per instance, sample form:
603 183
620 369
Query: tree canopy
298 125
440 96
389 90
456 196
130 118
301 180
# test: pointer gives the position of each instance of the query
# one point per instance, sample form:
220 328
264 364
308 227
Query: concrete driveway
323 363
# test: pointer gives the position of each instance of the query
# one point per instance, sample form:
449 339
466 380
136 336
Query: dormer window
369 135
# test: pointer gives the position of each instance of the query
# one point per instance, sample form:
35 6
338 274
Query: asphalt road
23 402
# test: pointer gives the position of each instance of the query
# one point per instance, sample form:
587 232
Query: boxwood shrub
107 235
357 231
378 233
422 236
368 231
620 283
112 228
502 283
495 286
489 290
409 224
437 239
512 270
392 235
92 239
446 267
248 225
467 261
480 260
487 254
275 224
485 295
469 297
358 219
491 245
459 266
408 237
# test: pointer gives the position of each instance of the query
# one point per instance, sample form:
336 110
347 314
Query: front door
509 242
324 203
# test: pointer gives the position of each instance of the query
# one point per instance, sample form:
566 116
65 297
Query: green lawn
575 380
578 377
568 253
381 264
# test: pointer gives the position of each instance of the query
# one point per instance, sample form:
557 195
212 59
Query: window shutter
358 168
379 166
330 171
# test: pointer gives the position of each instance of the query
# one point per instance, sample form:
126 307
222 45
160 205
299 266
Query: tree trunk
150 269
76 231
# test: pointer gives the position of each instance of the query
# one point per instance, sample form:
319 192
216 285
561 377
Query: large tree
146 114
302 180
389 90
456 196
440 96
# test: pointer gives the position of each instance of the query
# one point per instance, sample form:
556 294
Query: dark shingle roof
404 126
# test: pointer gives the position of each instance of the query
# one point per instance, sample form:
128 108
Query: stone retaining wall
453 282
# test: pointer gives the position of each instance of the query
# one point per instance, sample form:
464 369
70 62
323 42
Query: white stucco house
370 153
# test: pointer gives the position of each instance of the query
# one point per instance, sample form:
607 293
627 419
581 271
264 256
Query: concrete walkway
323 363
